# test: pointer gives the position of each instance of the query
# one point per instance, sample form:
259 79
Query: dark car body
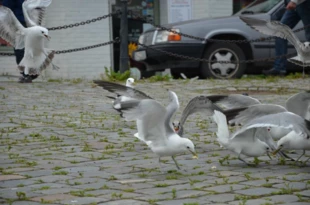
155 57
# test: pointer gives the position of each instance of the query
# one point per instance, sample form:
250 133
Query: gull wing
34 11
121 90
299 104
10 29
286 120
198 104
234 100
274 28
240 116
150 117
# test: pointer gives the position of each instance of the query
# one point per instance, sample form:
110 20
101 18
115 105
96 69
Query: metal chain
213 40
7 54
215 61
84 22
116 40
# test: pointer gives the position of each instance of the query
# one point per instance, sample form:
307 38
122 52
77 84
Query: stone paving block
252 202
83 200
292 185
225 188
283 198
177 202
28 203
125 202
218 198
256 191
10 177
305 193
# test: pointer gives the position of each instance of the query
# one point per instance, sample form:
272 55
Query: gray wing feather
121 90
10 29
34 11
150 116
286 120
256 111
197 104
299 104
274 28
236 101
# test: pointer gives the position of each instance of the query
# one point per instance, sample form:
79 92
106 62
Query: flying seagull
36 57
276 28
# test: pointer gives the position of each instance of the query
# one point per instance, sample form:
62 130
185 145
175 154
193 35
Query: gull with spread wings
36 57
153 120
276 28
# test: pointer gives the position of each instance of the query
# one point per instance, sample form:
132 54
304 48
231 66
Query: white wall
201 9
84 64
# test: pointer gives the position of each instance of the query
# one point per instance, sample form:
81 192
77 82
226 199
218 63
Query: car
228 39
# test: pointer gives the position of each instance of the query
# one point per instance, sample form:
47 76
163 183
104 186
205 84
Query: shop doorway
148 9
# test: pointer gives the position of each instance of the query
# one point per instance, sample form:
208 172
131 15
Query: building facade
89 64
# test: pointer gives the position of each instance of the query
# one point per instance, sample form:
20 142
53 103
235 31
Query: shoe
26 79
273 71
34 77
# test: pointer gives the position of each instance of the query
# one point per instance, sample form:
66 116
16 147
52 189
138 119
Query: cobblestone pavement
61 143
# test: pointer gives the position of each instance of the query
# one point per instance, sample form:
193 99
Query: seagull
246 142
36 57
154 126
298 126
293 141
276 28
130 82
299 104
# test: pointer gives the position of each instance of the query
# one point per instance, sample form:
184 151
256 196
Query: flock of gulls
261 125
37 58
263 128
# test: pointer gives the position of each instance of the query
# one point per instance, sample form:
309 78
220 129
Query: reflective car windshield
259 6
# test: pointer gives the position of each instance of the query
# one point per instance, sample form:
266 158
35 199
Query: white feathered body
244 143
36 57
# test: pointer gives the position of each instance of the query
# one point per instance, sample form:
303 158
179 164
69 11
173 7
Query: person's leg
303 11
290 18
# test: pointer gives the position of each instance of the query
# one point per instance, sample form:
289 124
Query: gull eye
267 148
42 31
281 145
187 147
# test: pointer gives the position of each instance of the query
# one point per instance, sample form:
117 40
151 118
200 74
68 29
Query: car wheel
223 52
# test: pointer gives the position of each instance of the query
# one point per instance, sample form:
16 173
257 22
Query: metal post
124 59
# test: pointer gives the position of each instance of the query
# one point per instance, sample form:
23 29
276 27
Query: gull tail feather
296 60
222 128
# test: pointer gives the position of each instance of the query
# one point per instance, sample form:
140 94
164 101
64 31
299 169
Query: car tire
223 52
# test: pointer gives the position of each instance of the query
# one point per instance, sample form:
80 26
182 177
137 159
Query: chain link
212 40
116 40
215 61
84 22
7 54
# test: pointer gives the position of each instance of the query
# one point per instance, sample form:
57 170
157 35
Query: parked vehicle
224 28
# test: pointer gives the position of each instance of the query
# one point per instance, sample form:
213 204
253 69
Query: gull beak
195 156
48 37
269 155
276 151
176 129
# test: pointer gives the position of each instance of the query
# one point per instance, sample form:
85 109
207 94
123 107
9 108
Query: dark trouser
19 54
291 18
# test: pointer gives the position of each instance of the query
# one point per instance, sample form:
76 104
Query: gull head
42 32
307 46
130 82
176 126
283 143
188 145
